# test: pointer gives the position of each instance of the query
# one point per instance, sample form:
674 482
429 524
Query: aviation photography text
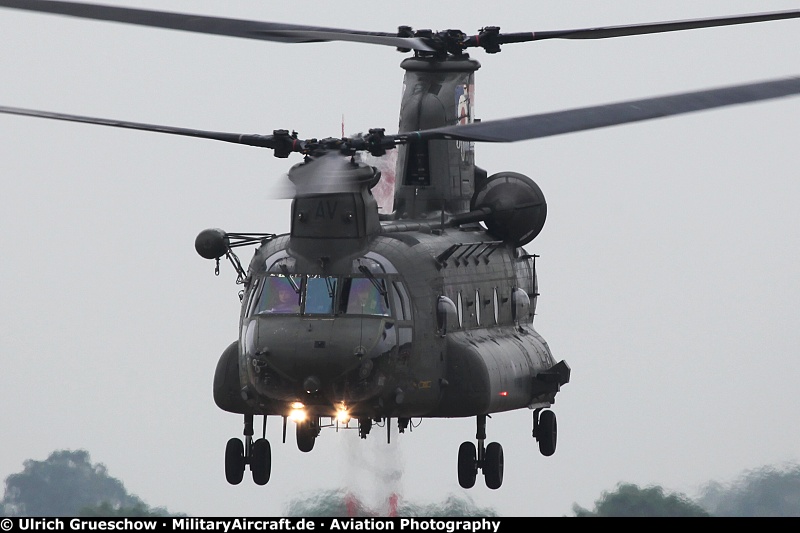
226 525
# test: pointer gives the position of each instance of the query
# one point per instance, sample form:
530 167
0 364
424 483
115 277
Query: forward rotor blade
587 118
662 27
263 141
265 31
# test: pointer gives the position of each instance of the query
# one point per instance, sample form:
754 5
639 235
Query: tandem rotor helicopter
360 319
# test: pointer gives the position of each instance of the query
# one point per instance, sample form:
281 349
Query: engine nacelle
517 204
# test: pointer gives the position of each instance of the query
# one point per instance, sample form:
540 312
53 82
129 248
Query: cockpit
325 339
320 295
373 289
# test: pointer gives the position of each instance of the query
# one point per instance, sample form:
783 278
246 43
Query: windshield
321 295
363 296
279 296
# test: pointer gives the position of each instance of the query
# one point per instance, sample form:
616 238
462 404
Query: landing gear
234 461
493 465
472 458
306 434
467 465
364 427
261 461
545 430
257 454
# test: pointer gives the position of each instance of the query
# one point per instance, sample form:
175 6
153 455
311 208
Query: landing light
298 412
342 415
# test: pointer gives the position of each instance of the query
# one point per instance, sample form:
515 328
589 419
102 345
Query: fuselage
452 333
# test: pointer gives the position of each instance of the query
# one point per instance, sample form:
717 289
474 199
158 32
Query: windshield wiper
378 284
285 271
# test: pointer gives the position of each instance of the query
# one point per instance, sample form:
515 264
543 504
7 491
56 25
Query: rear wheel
261 461
467 465
493 465
234 461
547 433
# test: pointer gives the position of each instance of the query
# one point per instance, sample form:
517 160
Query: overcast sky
668 273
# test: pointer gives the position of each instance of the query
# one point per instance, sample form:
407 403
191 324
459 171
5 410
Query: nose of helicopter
324 360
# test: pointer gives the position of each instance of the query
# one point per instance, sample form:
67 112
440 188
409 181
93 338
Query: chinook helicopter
361 319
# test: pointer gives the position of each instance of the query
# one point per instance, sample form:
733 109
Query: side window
402 301
521 305
319 295
478 307
278 295
496 305
253 297
460 310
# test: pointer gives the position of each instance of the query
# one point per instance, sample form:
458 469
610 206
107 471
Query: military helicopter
367 319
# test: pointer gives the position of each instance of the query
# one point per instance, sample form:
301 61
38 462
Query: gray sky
668 269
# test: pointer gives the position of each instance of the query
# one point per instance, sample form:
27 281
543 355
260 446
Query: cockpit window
319 295
279 296
276 294
365 296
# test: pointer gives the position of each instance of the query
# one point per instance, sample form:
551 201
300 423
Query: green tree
764 492
631 501
452 506
105 509
65 484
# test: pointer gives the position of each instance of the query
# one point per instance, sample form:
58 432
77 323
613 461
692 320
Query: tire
547 433
306 435
467 465
261 461
234 461
493 465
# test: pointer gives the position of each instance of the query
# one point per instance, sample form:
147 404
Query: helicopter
449 330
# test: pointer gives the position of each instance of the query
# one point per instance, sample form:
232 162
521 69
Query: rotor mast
435 175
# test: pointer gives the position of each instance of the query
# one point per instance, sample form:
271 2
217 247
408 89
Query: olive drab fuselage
472 355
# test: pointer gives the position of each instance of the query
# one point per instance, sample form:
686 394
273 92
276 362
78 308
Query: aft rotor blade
662 27
248 29
263 141
587 118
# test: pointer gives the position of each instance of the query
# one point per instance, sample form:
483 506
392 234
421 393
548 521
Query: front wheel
467 465
261 461
234 461
306 434
493 465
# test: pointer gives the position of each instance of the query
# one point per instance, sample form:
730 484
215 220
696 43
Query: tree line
67 483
